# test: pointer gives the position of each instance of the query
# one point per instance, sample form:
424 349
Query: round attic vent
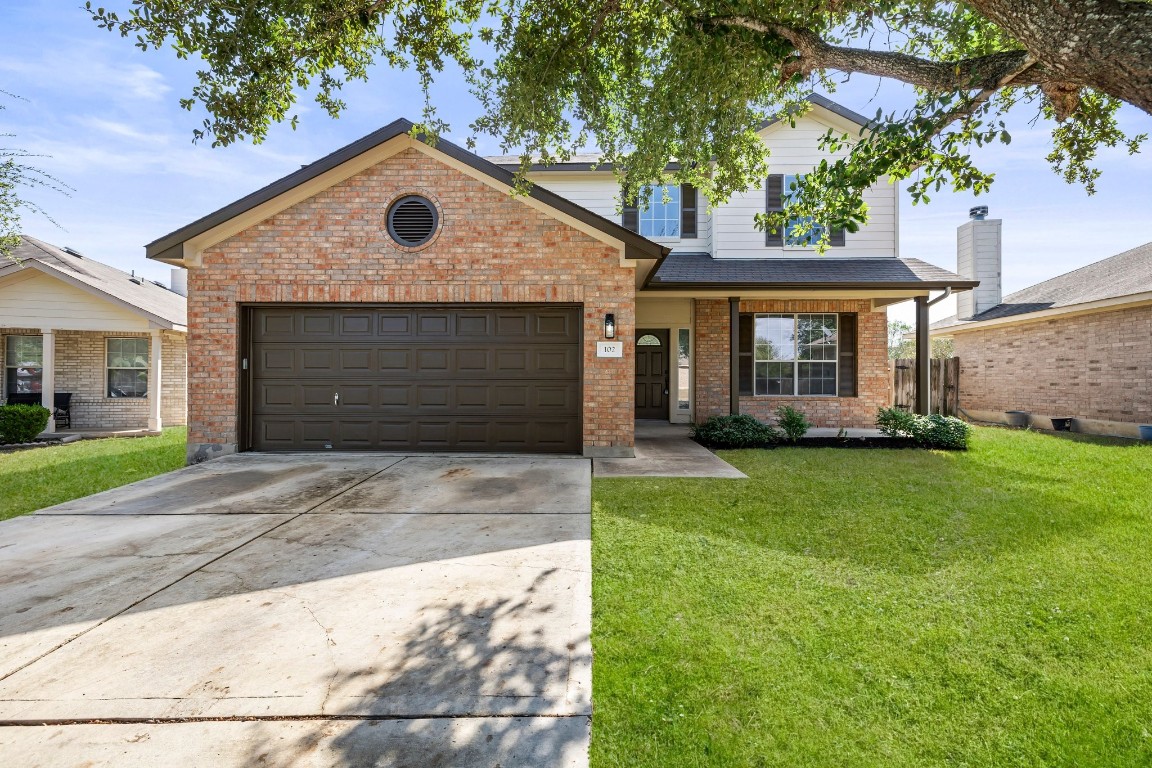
412 220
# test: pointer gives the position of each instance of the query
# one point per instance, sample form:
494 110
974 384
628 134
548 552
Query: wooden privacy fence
945 383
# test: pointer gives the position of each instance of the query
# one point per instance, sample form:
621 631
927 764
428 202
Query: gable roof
158 304
170 247
1125 274
590 161
699 270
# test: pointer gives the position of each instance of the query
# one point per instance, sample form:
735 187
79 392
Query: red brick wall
334 247
1094 366
713 365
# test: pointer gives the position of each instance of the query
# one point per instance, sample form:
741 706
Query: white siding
730 232
32 299
795 151
599 193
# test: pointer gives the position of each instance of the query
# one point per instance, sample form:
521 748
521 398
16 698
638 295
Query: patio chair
62 407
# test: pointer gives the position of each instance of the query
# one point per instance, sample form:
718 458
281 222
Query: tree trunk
1103 44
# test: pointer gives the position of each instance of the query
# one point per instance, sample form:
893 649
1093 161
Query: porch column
734 355
923 358
48 377
155 384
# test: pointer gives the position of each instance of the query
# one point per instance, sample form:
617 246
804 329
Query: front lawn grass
40 477
879 608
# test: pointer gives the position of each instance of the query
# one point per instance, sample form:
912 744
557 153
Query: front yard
41 477
879 608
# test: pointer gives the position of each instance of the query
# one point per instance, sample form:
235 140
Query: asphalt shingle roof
145 296
1124 274
697 269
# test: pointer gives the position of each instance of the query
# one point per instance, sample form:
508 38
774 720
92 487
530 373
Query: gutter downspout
924 353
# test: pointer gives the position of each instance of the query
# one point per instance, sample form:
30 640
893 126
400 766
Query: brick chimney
978 246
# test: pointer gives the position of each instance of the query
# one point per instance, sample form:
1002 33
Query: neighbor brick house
395 296
90 342
1076 346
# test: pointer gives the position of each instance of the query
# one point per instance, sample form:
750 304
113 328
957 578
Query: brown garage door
386 378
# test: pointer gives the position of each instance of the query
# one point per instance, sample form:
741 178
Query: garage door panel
416 379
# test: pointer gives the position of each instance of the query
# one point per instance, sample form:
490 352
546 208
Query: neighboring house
86 335
1078 345
395 296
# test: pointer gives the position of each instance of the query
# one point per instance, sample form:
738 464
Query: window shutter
774 202
847 344
747 340
687 210
630 216
836 237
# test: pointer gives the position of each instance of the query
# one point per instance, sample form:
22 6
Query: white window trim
796 361
658 189
4 392
107 369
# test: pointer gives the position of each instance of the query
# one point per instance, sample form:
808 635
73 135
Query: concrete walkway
304 610
665 450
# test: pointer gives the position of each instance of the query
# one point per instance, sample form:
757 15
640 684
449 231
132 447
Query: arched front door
652 374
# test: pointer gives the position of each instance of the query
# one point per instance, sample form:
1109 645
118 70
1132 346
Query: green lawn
880 608
41 477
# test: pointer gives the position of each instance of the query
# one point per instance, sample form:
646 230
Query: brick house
395 296
1076 346
102 349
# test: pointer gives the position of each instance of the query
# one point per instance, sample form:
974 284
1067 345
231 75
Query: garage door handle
336 399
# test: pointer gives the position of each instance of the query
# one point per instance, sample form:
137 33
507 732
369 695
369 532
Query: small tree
16 179
902 347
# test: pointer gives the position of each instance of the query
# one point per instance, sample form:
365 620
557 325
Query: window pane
775 337
684 374
25 350
817 335
778 378
24 364
662 217
128 353
791 234
816 379
127 383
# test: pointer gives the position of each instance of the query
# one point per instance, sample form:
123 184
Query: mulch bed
841 442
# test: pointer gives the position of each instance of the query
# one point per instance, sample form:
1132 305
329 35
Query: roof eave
170 247
928 285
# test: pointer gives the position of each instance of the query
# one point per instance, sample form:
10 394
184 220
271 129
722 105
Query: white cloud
85 69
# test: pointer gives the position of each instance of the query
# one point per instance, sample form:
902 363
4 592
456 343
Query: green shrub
794 423
735 432
946 432
21 423
934 431
896 422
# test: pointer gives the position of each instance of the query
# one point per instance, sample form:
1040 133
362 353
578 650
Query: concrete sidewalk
666 450
304 610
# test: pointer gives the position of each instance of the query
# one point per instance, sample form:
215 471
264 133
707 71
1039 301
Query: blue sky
107 120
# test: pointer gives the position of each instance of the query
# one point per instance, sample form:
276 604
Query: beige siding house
103 349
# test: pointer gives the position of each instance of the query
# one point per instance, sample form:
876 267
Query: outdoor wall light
609 326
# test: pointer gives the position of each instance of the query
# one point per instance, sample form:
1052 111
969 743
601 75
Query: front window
795 355
23 364
792 234
662 217
127 367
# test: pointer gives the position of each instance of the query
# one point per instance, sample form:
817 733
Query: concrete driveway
304 610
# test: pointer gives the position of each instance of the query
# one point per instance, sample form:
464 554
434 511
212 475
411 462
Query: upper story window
671 213
780 189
